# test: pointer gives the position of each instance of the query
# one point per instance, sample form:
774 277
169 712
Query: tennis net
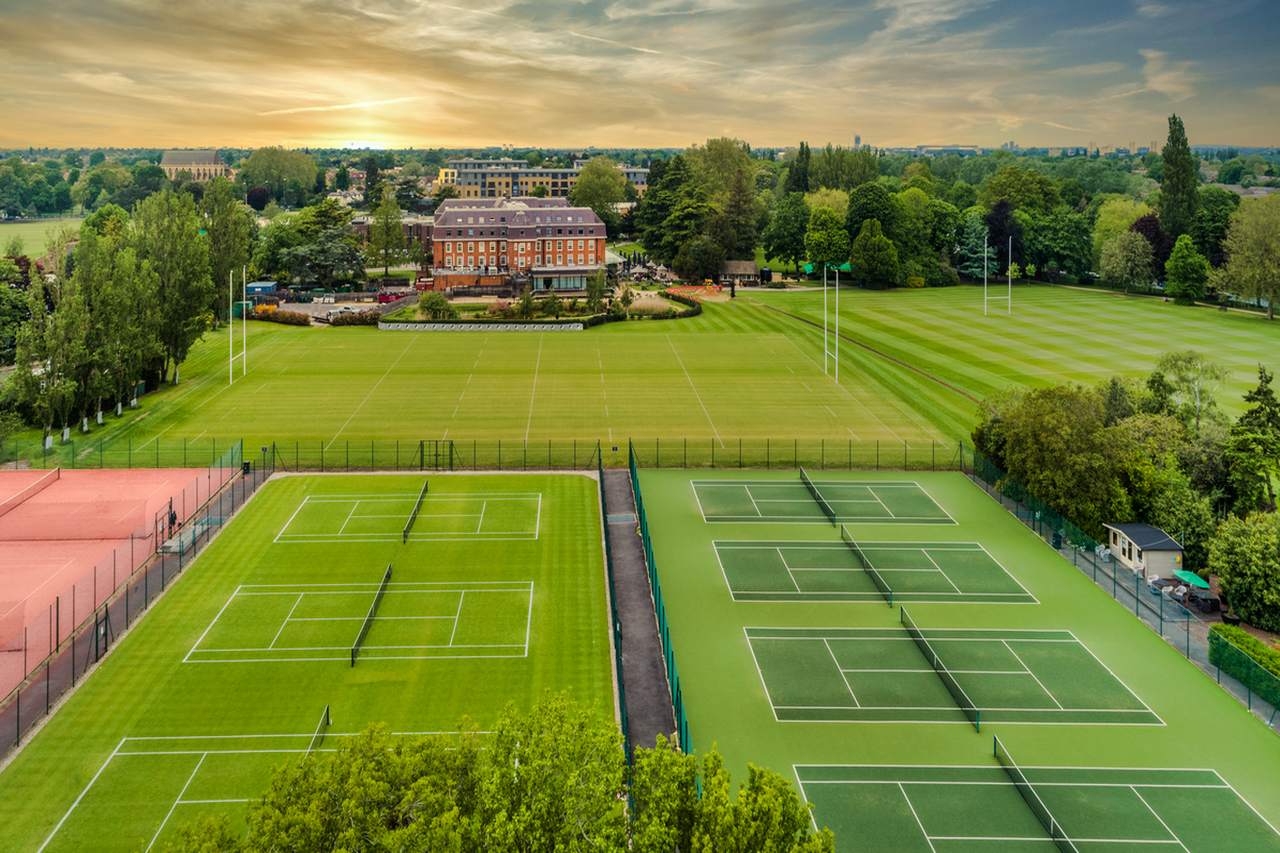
1036 804
319 733
27 492
413 515
948 680
865 564
817 496
368 617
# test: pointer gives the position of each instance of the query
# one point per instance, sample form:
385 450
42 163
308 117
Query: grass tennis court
782 502
880 675
228 675
940 572
387 517
961 808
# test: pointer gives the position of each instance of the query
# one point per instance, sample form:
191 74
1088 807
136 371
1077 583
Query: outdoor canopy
1191 578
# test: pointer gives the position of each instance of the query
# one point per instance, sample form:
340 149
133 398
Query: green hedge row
288 318
1251 661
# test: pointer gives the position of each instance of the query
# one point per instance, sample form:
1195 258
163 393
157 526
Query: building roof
1147 537
516 218
193 157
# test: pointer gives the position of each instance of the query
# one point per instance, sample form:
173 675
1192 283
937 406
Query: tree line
552 778
897 220
1159 451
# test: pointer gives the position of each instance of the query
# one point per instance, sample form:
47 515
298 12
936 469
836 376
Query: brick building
417 229
542 243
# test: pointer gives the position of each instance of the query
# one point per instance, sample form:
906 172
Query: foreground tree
228 222
1194 382
825 240
874 259
784 235
1253 253
1246 558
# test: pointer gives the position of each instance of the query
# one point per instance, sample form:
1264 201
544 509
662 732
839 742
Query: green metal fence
1230 666
660 609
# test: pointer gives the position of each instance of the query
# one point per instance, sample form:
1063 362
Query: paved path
644 676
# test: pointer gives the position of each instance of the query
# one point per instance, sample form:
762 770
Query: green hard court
939 572
877 674
271 646
851 501
949 809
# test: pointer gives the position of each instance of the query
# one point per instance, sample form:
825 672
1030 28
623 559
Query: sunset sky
573 73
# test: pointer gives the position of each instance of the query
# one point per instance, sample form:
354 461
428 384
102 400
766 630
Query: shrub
368 317
1248 659
915 281
288 318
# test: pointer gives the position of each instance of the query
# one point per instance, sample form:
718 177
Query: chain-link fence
1234 669
660 609
91 633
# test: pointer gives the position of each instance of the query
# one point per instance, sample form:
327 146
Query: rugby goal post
232 355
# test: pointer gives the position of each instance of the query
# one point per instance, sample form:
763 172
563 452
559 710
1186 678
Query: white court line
533 394
689 379
280 630
1156 815
1023 664
480 523
919 822
381 378
847 685
57 826
457 616
941 571
354 506
168 815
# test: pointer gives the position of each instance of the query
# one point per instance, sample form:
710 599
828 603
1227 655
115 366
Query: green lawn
737 371
1056 334
35 235
498 597
831 691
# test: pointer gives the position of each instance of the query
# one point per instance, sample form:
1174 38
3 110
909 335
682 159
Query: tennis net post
1032 798
413 514
865 564
318 736
948 680
368 617
826 507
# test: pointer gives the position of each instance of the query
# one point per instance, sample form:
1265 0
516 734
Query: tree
870 201
539 191
386 233
1186 272
1126 261
699 258
798 171
1022 188
1194 381
258 198
51 350
166 232
1178 188
342 178
974 254
1115 216
962 195
1213 219
601 186
597 287
1003 227
276 169
875 258
741 218
1245 556
668 190
552 306
1058 239
228 222
434 306
784 235
1253 448
1252 248
826 242
1161 243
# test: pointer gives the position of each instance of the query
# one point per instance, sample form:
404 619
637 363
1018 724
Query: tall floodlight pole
244 322
231 327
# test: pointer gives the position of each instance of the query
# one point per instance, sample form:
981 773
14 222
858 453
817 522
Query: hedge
692 308
368 317
1254 663
288 318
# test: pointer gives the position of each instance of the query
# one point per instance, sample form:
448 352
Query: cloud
1061 126
1152 9
354 105
1175 80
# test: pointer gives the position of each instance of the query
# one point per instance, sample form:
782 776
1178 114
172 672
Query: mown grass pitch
226 678
839 696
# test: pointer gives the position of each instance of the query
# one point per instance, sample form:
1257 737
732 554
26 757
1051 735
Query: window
1139 553
448 247
492 246
448 261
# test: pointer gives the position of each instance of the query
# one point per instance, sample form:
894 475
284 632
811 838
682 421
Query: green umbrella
1191 578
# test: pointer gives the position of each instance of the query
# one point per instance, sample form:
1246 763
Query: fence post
739 453
768 452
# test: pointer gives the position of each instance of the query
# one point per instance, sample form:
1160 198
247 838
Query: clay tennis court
69 538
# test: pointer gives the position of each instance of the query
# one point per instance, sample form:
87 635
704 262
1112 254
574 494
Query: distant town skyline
641 73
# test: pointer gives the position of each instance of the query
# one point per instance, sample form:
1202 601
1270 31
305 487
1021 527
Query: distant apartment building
417 229
200 165
542 243
507 178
